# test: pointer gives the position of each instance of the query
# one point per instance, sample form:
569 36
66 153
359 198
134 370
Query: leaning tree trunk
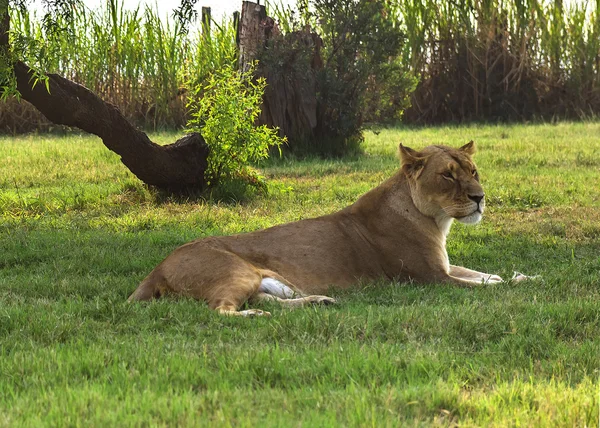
175 167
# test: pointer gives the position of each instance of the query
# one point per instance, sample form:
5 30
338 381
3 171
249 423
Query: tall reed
502 59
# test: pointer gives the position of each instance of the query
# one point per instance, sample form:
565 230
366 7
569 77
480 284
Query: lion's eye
448 175
475 174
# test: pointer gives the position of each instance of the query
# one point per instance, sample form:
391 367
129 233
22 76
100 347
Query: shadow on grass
236 192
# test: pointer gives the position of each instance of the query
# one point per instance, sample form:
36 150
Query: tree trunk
290 64
290 98
174 167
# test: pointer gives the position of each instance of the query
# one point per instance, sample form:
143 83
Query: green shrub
224 109
362 41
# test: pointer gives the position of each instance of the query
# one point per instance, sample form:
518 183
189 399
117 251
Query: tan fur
396 231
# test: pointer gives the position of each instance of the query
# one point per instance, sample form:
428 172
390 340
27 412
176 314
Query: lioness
396 231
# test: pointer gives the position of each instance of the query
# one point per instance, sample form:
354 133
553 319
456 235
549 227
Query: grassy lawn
78 232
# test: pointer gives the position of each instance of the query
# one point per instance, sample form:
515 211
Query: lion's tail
151 287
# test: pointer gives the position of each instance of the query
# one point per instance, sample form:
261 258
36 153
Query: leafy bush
224 110
352 66
362 41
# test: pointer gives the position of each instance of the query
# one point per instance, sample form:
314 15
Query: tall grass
134 59
502 59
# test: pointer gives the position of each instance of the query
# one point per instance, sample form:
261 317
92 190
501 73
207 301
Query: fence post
251 33
205 21
236 26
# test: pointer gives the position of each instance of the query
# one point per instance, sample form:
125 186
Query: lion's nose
476 198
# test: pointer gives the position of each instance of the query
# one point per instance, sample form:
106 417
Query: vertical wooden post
206 21
251 33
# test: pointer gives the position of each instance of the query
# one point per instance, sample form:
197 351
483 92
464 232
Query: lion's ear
468 148
407 154
412 161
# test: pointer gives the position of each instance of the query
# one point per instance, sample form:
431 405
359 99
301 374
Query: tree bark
290 98
251 33
290 64
175 167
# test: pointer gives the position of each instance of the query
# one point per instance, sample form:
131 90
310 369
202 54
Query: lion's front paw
518 277
321 300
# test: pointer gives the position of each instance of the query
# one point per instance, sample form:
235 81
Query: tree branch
173 167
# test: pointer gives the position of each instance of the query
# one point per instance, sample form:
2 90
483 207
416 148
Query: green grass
78 232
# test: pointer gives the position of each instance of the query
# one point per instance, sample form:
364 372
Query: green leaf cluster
224 110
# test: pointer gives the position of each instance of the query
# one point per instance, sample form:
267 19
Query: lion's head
444 182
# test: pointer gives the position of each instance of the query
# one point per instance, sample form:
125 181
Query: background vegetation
78 232
143 63
473 60
503 59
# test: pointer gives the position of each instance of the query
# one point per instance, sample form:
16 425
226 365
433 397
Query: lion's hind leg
231 311
152 287
272 289
225 283
473 275
235 287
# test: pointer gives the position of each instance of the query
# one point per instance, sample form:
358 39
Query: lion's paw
255 313
493 279
518 277
321 300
